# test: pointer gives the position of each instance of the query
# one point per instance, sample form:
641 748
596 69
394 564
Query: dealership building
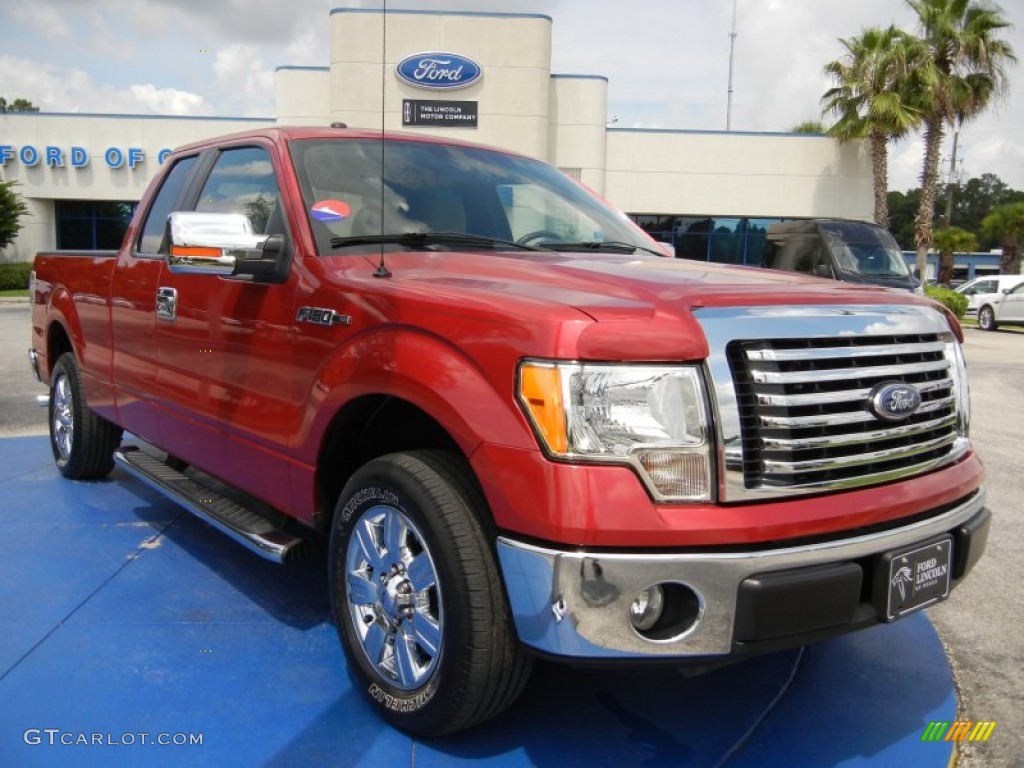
481 77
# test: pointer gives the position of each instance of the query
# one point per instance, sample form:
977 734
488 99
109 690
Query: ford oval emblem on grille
894 400
438 70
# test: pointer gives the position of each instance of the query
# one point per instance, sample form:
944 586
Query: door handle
166 303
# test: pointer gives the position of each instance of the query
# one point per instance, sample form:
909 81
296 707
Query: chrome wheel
986 319
393 597
63 417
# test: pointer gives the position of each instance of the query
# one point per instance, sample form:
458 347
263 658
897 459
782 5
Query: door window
243 181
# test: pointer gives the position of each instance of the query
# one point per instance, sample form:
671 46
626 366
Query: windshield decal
330 210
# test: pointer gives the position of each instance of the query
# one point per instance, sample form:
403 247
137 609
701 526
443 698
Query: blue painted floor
127 622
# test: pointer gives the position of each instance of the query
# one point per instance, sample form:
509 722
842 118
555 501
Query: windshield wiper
427 239
611 246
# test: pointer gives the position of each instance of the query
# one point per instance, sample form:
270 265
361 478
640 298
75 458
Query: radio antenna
732 54
382 270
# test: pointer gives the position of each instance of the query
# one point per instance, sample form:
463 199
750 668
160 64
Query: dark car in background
850 251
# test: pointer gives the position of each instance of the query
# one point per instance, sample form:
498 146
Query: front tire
417 596
83 443
987 318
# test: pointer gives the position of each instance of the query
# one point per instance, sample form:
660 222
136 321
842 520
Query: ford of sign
438 70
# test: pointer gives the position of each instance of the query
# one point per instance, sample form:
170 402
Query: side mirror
211 243
225 245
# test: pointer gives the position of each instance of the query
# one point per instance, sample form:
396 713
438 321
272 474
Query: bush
955 302
14 276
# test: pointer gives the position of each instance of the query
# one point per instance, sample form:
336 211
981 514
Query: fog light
646 608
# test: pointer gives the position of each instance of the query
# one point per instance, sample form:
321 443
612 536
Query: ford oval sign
443 71
894 400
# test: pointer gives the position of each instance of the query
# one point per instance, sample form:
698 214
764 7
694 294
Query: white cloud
309 47
168 101
55 89
244 80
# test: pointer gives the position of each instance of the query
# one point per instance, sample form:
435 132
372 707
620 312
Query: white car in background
987 290
1003 309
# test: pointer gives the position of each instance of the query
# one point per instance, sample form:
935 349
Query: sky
667 61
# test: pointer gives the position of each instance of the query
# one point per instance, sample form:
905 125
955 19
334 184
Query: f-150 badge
321 316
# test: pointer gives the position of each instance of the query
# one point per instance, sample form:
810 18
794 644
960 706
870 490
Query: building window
92 225
721 239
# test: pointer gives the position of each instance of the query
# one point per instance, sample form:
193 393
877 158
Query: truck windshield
361 192
864 250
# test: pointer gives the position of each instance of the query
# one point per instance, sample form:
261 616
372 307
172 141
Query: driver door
224 371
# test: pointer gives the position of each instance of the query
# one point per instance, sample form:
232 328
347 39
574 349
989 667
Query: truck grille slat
853 417
856 460
873 436
815 375
842 396
844 352
806 420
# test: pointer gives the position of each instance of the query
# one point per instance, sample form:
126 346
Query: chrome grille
804 417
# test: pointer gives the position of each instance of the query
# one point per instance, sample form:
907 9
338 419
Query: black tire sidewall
93 439
426 709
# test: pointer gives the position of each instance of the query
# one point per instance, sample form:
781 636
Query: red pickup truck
523 429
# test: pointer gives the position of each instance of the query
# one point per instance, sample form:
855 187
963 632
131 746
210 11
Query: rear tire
417 596
987 318
83 443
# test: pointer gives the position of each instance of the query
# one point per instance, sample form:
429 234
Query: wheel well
371 426
57 343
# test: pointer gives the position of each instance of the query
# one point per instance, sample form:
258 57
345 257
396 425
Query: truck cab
849 251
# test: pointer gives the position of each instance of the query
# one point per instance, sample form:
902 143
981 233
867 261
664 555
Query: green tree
12 208
960 73
808 126
976 198
950 240
1005 225
18 105
902 212
870 98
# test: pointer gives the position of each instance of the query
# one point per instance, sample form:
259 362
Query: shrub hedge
956 302
14 276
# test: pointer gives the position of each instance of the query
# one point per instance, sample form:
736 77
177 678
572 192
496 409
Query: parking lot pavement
982 624
19 415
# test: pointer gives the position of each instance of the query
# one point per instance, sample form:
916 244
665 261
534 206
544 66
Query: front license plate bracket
910 579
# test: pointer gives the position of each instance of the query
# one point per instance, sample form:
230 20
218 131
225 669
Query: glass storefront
95 225
725 240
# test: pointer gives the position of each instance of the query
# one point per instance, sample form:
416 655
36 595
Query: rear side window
153 231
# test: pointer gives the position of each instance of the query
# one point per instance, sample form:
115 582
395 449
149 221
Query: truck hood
620 291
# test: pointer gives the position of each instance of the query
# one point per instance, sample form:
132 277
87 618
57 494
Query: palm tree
962 71
950 240
870 98
808 126
1005 224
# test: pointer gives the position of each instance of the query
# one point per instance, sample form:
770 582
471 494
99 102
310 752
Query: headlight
653 417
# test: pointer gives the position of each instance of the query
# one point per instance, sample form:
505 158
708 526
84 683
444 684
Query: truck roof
285 133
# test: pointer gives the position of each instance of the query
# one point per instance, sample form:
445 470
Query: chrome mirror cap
211 243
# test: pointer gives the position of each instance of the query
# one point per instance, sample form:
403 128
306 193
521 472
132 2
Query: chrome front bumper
576 604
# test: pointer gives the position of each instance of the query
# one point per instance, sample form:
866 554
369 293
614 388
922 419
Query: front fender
432 374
